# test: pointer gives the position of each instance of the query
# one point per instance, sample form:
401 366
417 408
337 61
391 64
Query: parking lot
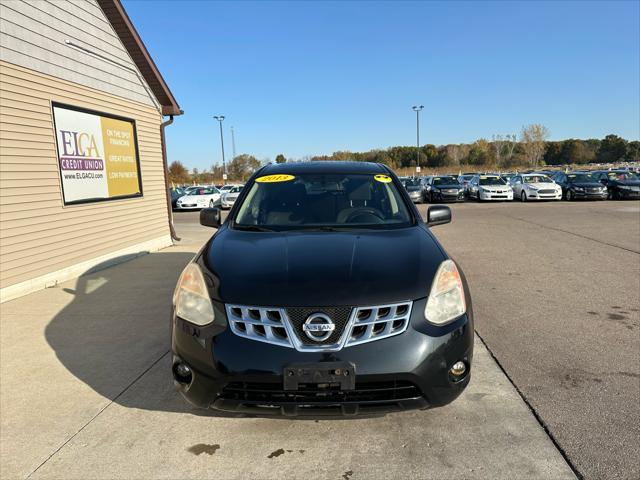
555 289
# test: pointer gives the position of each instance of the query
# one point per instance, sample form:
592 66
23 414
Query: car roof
323 167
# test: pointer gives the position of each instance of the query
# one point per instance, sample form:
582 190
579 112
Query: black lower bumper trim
319 409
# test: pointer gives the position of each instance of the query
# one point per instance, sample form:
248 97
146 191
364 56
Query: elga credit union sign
97 155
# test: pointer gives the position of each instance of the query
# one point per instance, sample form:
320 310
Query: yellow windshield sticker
275 178
382 178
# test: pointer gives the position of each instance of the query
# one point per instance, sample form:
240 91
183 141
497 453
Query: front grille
353 326
263 324
546 192
339 316
273 393
374 323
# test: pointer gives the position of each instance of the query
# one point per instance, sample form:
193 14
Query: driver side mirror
210 217
438 215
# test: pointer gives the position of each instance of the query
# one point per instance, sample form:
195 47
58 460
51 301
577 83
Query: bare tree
456 154
511 141
498 142
533 139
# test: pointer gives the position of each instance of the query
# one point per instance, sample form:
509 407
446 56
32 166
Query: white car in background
201 197
226 188
489 187
229 198
535 186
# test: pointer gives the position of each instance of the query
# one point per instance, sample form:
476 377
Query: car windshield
204 191
580 177
324 201
622 176
443 180
491 181
536 179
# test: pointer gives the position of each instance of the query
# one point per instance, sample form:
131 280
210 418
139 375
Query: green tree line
530 149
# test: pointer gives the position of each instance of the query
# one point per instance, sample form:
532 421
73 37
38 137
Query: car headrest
361 193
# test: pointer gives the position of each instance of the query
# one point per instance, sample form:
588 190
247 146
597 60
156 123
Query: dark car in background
465 179
176 193
580 185
414 189
621 184
323 293
444 189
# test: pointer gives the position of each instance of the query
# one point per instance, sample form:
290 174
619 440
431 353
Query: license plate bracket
336 373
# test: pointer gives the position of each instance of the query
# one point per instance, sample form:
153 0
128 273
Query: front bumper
407 371
495 195
189 206
441 196
589 195
533 195
628 194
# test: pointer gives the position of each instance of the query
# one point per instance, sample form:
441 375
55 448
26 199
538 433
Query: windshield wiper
252 228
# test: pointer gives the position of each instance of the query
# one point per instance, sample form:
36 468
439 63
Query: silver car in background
229 198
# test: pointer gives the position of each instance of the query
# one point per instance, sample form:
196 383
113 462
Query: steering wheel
364 211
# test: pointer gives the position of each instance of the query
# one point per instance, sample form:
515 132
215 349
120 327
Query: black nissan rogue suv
323 293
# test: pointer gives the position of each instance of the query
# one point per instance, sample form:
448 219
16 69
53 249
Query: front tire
523 196
569 196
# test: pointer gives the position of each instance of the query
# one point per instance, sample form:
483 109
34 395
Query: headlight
446 300
578 189
624 187
191 297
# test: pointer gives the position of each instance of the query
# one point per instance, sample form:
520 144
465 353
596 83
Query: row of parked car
542 185
204 196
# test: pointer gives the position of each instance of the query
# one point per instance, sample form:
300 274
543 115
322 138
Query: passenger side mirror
210 217
438 215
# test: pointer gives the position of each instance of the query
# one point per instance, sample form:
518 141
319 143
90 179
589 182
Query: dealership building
83 110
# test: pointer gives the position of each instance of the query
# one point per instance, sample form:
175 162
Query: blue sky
303 78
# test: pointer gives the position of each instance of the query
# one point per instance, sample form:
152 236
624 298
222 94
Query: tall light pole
233 145
417 109
220 119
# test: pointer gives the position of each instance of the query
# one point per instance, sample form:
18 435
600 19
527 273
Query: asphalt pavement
86 389
556 290
87 393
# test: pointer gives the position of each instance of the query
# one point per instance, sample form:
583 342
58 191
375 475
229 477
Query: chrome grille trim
244 325
374 317
376 325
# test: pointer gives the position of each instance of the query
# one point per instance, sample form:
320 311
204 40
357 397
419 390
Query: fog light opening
458 370
182 373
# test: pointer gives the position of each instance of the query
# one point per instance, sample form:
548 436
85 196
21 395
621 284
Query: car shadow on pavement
116 331
115 334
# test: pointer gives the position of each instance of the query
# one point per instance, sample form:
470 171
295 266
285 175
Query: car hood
321 268
496 187
542 185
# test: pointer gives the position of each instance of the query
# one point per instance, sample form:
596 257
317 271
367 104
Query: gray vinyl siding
33 35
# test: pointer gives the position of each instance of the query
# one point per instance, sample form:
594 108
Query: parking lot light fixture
417 109
220 119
